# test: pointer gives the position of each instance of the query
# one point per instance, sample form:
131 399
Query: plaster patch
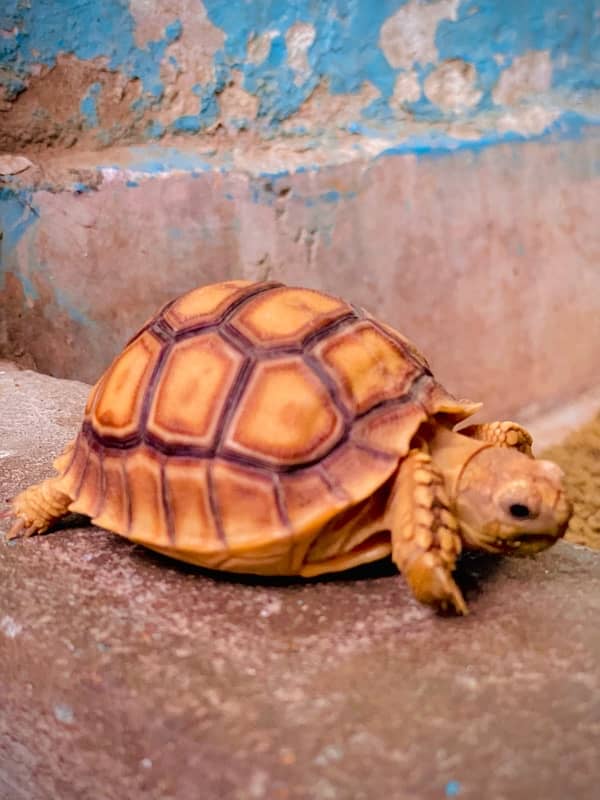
298 39
528 75
451 86
406 89
235 104
322 109
408 36
259 47
527 119
188 60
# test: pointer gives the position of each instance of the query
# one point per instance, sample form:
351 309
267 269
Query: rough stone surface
123 674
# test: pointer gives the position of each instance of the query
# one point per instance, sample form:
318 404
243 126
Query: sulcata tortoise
258 428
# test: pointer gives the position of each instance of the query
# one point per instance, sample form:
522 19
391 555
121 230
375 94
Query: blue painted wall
548 51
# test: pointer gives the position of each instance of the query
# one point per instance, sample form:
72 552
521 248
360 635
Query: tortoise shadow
473 570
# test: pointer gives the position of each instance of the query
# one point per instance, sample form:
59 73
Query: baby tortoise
258 428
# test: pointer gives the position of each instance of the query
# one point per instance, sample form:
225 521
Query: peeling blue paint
88 105
17 214
345 54
154 159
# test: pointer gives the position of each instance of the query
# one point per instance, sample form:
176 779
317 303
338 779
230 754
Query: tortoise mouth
527 543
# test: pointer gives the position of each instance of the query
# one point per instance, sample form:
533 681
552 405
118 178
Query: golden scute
194 385
357 472
123 388
247 505
188 496
147 512
368 365
204 304
114 512
286 315
285 415
390 428
309 500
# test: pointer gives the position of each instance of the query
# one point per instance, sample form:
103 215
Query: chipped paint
182 66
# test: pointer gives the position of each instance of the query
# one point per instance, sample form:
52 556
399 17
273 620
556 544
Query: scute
285 415
204 305
246 502
286 316
121 394
368 366
194 385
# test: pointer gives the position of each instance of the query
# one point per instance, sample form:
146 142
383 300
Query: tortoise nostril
519 511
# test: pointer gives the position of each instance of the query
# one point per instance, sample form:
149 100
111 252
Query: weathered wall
94 74
437 162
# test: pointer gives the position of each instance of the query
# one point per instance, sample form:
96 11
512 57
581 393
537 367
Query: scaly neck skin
451 452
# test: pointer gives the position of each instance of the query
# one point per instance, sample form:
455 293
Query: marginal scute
204 305
308 500
390 428
287 315
368 365
74 469
246 502
437 400
90 497
114 513
119 402
194 385
358 472
285 415
194 526
145 491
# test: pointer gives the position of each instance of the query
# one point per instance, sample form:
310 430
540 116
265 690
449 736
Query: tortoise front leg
425 539
37 508
501 434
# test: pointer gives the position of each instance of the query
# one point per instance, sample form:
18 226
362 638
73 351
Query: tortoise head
508 502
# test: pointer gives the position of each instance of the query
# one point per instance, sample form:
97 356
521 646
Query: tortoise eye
519 511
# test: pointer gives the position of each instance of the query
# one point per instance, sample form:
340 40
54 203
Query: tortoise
260 428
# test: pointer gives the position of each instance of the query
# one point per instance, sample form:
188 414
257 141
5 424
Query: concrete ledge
126 675
469 252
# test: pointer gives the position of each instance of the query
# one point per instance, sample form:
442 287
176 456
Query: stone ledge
125 675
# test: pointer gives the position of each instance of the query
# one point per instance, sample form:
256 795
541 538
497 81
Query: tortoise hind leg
501 434
37 508
425 539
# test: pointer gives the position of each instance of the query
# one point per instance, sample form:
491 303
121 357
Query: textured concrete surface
125 675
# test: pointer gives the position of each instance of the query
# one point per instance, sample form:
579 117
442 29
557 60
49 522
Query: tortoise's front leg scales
501 434
425 539
37 508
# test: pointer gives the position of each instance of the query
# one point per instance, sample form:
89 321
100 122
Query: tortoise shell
243 418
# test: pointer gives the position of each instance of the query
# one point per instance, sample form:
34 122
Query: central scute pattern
241 418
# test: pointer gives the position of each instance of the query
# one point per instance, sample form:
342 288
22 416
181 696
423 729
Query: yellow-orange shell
242 418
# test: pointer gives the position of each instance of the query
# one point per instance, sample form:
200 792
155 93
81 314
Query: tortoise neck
451 452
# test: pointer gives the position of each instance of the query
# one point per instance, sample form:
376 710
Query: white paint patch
9 627
529 74
259 47
452 86
298 39
531 120
408 36
5 453
406 89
